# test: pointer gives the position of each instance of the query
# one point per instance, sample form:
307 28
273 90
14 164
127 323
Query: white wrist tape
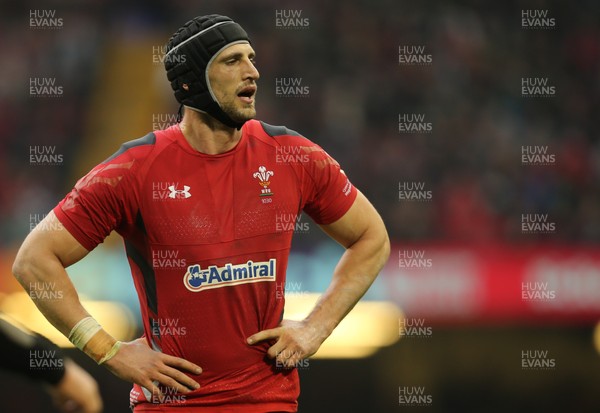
83 331
111 353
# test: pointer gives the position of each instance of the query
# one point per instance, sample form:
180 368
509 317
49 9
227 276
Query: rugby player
210 190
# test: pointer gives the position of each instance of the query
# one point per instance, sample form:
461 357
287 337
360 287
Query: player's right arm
40 265
50 248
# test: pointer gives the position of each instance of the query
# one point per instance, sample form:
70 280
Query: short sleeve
330 194
100 202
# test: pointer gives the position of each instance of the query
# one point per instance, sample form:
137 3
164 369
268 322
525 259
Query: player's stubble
237 110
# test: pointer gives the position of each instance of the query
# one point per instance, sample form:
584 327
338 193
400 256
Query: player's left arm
362 232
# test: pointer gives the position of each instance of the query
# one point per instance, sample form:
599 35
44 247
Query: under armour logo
179 193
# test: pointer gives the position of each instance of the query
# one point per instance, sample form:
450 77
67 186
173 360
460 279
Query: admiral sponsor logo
166 259
163 120
413 259
291 19
536 87
413 191
537 360
537 224
536 291
292 154
537 155
196 279
291 87
160 56
414 396
45 360
413 123
44 87
44 156
414 56
44 290
162 191
414 327
537 19
44 19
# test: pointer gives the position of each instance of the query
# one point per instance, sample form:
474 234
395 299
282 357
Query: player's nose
250 71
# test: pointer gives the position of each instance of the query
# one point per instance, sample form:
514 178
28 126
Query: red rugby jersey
208 238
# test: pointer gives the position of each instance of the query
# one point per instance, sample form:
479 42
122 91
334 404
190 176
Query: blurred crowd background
104 57
348 56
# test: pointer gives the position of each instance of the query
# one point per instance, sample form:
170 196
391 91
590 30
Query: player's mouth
246 94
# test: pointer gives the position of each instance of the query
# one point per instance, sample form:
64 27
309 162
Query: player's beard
238 112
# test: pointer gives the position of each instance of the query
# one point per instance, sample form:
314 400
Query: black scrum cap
189 53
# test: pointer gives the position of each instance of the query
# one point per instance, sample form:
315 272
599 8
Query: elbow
381 246
19 268
385 248
22 266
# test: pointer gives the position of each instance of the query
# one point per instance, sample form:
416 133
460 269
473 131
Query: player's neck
207 135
